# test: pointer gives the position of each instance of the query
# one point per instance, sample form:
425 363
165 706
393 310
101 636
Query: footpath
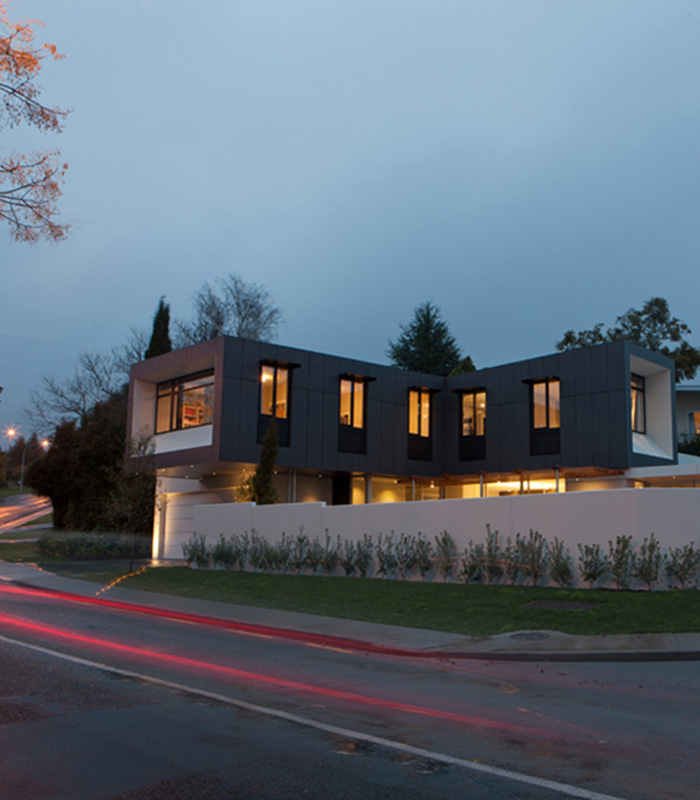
367 636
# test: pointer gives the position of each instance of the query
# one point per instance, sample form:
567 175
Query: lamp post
45 444
10 433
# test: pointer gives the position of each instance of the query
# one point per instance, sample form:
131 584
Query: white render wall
673 515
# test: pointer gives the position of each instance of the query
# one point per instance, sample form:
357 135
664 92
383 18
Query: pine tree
426 344
262 483
160 338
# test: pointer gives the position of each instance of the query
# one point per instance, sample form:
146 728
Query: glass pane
267 389
638 413
480 413
196 406
694 422
468 428
425 414
413 421
203 380
345 401
358 404
539 405
281 398
163 414
554 405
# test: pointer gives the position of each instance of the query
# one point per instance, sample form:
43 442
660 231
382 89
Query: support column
368 489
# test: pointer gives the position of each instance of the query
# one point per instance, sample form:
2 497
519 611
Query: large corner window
275 394
545 408
420 443
185 402
352 426
639 415
472 443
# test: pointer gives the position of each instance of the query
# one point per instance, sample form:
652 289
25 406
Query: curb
357 645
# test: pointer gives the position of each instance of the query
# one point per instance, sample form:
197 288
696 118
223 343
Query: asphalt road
119 704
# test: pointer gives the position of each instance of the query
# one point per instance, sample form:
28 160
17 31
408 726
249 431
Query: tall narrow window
185 402
352 402
545 416
352 433
472 440
639 416
546 404
419 412
274 390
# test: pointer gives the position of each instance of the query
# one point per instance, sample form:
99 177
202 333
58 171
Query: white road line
474 766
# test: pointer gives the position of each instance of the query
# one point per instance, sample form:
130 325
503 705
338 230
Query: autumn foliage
29 182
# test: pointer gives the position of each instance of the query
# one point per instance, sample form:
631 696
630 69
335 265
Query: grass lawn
470 610
13 488
47 519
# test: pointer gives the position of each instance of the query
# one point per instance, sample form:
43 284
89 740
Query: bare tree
96 377
232 307
29 183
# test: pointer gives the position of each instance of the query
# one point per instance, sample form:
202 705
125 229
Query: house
354 433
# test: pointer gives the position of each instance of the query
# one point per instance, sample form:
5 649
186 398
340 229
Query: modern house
352 432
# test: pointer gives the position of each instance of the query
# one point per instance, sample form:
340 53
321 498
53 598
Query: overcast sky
528 165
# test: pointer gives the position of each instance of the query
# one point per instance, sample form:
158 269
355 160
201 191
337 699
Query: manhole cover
530 635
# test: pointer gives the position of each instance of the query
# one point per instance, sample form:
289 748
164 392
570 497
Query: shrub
424 555
300 548
405 554
446 553
386 555
331 555
364 555
224 553
646 565
533 556
347 557
195 551
560 564
682 565
621 561
86 546
493 558
473 563
511 559
314 555
592 563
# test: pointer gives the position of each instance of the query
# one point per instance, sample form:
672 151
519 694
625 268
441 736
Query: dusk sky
528 165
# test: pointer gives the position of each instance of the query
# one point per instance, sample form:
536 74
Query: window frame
355 381
545 438
173 391
637 394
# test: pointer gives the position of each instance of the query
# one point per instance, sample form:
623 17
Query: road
19 509
99 702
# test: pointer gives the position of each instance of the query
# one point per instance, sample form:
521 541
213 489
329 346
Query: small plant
314 555
284 553
347 557
195 551
560 564
446 553
621 561
473 563
424 555
386 555
533 552
592 563
243 545
300 548
493 558
257 556
405 554
331 555
364 555
647 563
511 559
224 553
682 565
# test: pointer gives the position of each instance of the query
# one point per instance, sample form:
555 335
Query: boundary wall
673 515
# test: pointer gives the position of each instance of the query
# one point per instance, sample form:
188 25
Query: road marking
474 766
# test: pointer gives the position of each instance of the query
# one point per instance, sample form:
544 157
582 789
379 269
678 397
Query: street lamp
45 444
10 433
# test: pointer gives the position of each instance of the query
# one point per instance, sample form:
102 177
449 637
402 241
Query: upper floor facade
609 407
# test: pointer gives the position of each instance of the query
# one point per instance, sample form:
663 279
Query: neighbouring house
357 433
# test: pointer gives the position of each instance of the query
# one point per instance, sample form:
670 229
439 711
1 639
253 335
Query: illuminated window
694 422
274 391
639 416
185 402
352 402
546 404
474 413
419 412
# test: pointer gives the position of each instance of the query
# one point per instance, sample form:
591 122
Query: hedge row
525 559
84 546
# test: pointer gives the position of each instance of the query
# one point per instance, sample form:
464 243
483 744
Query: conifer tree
160 338
262 483
426 344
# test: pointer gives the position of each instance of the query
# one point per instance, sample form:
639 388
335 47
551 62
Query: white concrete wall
673 515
